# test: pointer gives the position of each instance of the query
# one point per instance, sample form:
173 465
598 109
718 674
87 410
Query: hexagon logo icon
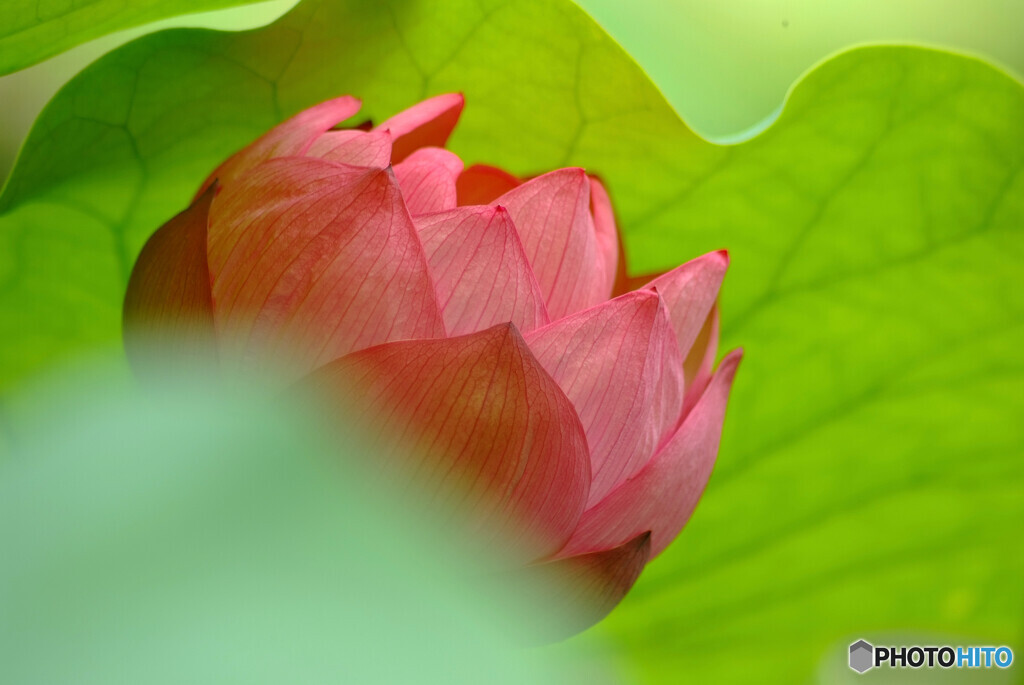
861 656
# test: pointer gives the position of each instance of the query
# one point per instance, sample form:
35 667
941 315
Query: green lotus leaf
32 30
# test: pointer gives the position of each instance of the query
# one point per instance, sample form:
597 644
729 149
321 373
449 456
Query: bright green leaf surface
32 30
871 473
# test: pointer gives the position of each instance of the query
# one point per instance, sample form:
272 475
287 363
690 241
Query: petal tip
730 363
509 330
500 213
573 174
503 333
644 297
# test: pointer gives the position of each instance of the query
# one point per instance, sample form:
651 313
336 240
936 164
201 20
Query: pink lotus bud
482 320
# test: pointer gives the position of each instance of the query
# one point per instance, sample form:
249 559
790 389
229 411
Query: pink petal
290 137
552 214
480 273
474 423
428 123
436 156
351 146
663 495
701 360
606 232
427 178
168 301
690 292
481 184
312 260
580 591
620 366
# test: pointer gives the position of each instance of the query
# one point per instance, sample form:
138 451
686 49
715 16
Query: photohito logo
865 656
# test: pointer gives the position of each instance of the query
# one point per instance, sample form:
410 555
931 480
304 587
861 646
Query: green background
870 482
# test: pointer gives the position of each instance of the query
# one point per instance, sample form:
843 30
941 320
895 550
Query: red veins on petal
480 272
663 495
427 178
290 137
620 365
481 184
168 298
428 123
552 214
354 147
478 424
313 260
690 292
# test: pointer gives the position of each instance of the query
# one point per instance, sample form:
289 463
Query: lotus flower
482 320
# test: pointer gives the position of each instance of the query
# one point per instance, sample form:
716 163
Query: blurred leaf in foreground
195 536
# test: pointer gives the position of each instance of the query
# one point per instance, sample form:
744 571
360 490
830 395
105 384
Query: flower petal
427 178
480 273
481 184
700 361
475 423
312 260
620 365
351 146
437 156
168 300
663 495
290 137
428 123
579 591
552 214
690 291
606 232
